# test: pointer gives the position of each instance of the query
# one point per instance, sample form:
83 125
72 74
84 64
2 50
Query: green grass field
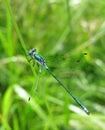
70 36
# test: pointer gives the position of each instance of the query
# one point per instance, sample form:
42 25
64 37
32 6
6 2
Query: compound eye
30 53
34 50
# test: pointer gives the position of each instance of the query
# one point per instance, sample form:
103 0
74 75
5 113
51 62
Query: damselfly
41 61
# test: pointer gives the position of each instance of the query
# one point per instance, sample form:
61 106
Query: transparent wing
35 86
66 66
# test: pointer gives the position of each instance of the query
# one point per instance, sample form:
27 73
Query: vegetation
71 38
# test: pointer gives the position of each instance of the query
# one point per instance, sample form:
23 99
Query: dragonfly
41 61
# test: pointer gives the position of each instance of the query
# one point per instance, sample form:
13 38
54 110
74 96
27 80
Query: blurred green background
63 31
